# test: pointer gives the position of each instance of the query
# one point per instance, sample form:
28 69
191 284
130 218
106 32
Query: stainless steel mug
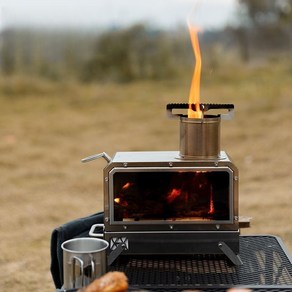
84 259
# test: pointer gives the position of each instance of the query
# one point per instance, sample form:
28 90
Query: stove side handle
96 156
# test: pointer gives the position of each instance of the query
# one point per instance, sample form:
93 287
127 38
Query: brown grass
46 128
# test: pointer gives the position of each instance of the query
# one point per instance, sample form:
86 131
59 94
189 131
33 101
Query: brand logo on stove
115 241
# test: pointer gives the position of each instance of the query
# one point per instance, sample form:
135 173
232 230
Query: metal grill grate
266 289
265 264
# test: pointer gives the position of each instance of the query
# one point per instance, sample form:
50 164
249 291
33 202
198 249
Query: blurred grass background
64 98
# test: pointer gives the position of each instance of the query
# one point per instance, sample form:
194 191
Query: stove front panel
157 203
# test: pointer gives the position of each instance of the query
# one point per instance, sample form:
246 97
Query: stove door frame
170 225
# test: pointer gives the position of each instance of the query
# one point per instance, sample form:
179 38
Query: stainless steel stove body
174 202
158 203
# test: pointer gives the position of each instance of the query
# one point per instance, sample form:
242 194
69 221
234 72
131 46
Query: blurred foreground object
110 282
239 290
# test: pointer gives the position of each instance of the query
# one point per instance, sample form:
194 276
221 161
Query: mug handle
92 229
92 263
81 263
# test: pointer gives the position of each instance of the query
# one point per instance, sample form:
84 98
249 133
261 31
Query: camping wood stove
175 202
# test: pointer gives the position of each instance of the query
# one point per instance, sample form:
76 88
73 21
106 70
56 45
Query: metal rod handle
96 156
74 260
92 263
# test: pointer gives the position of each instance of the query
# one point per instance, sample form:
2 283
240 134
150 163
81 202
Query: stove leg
235 259
115 253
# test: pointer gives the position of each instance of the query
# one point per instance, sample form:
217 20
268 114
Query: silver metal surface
200 138
96 156
84 259
161 158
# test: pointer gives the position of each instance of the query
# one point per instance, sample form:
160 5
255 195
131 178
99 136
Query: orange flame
194 96
211 208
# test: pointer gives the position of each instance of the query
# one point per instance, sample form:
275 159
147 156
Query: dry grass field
46 128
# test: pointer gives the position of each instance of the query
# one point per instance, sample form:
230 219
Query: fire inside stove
183 195
159 202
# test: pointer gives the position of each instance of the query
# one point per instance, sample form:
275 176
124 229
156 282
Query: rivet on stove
124 226
236 178
106 219
106 178
217 226
171 226
170 164
125 164
216 164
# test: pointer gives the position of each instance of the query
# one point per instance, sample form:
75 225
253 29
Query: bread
110 282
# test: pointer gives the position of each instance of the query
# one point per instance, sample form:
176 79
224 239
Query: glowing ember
211 208
120 202
117 200
126 186
173 195
194 96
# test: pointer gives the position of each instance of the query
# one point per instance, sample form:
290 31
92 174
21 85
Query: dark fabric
73 229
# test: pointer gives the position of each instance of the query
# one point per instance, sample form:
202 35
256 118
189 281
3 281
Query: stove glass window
171 195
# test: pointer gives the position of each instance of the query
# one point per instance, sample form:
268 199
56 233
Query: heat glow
194 96
117 200
126 186
173 195
211 208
